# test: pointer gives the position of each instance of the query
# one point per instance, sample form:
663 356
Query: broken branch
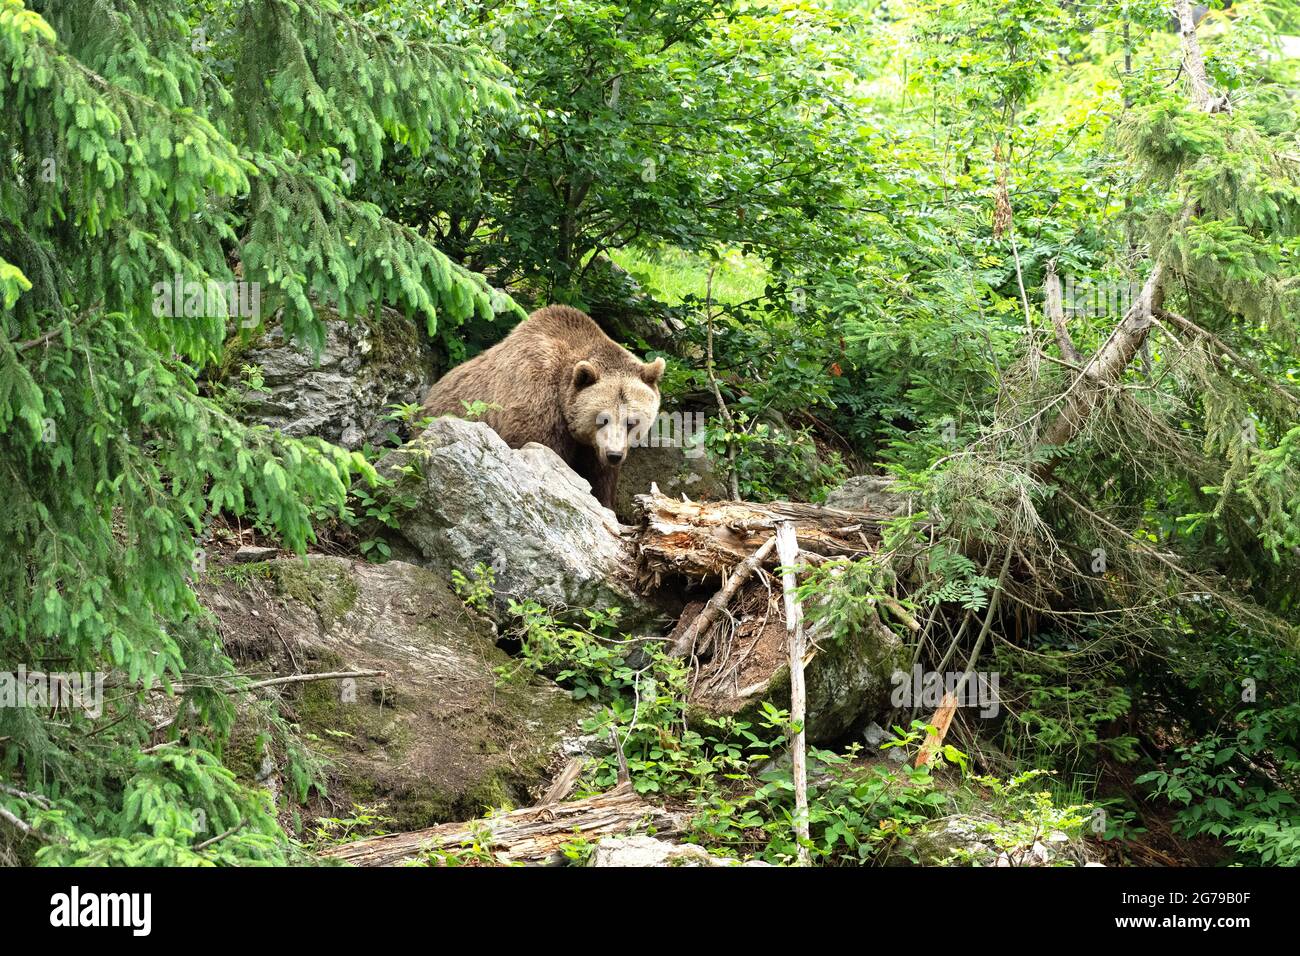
685 644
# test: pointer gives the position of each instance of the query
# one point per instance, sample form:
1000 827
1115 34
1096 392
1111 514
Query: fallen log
707 539
534 835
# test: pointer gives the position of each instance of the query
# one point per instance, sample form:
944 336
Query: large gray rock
343 394
437 738
523 512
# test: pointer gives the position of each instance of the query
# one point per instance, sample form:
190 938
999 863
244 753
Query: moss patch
324 586
436 739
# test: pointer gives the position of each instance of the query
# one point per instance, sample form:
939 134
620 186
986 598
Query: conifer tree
173 171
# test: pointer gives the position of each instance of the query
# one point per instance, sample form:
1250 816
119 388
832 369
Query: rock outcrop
439 738
873 493
971 840
641 850
674 469
344 394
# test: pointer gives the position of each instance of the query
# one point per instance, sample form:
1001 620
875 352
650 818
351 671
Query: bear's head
611 406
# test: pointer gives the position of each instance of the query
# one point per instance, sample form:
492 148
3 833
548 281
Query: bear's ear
652 372
584 374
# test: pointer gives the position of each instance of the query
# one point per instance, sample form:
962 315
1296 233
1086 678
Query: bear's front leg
604 485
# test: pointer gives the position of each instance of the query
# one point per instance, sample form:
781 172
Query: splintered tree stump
707 539
736 640
535 835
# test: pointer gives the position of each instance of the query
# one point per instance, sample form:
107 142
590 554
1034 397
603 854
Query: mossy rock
438 738
343 392
847 682
328 588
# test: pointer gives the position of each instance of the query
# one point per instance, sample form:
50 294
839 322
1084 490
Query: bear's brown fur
561 382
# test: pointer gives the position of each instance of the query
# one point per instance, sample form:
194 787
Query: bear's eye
602 419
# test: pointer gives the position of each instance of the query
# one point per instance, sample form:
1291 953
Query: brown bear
560 381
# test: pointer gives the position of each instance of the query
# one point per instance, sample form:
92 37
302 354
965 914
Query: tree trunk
1106 367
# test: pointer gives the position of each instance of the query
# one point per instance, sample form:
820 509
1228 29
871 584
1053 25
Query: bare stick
1247 366
941 721
563 785
304 678
49 335
35 798
218 838
704 620
273 681
21 825
297 679
787 549
624 775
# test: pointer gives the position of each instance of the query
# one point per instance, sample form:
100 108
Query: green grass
670 275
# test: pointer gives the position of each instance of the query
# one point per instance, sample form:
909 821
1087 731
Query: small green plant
474 850
859 811
250 377
578 850
478 408
365 820
774 462
474 589
408 413
1120 822
371 507
1021 819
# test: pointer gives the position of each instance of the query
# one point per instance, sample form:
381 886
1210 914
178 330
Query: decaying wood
564 783
22 826
1055 310
535 835
787 548
707 539
685 644
941 721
